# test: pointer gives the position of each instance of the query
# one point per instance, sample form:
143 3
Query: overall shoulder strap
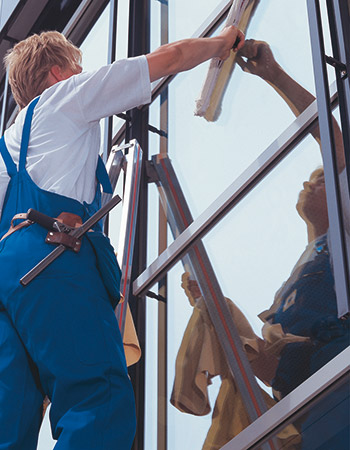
26 134
102 177
10 165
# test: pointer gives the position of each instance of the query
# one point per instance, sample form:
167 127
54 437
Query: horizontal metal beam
283 411
234 193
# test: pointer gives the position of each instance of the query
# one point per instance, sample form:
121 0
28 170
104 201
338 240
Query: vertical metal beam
162 427
336 226
137 128
339 18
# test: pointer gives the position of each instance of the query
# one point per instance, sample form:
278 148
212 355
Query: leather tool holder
56 237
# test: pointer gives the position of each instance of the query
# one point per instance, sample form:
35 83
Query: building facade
240 276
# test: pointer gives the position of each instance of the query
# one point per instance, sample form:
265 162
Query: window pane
255 109
270 254
185 17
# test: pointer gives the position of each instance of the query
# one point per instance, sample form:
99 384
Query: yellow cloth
214 109
131 344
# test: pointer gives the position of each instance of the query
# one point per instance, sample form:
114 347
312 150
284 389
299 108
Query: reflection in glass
302 331
253 249
199 378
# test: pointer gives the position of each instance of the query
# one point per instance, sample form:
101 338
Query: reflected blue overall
59 334
309 308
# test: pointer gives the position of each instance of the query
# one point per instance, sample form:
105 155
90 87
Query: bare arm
260 61
183 55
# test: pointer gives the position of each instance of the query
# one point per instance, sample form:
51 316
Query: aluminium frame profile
340 259
233 194
162 347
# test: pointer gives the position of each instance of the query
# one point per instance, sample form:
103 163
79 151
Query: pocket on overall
107 264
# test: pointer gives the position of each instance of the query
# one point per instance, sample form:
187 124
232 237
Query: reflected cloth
200 358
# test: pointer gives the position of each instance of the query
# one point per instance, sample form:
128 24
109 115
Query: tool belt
54 236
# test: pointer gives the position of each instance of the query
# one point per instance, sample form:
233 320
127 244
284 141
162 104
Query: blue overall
308 308
58 335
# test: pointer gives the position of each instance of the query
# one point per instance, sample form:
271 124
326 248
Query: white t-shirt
65 133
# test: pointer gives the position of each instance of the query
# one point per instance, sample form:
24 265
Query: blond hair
30 61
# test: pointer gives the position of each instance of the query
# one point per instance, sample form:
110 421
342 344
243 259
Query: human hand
259 60
231 38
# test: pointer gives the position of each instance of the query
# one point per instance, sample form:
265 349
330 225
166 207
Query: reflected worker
305 306
59 335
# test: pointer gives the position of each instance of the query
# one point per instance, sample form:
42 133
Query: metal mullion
137 128
336 225
340 30
162 394
342 13
282 413
234 193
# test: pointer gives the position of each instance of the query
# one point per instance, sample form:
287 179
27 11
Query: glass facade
241 262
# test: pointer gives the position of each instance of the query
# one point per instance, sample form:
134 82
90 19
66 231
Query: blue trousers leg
20 398
69 329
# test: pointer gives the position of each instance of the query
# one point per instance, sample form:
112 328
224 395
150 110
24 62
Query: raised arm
261 62
183 55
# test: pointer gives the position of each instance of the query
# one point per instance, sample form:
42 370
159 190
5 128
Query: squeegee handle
77 233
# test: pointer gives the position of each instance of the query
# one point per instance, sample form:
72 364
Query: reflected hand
259 60
191 288
232 38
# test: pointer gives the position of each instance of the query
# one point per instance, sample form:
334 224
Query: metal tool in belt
75 233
